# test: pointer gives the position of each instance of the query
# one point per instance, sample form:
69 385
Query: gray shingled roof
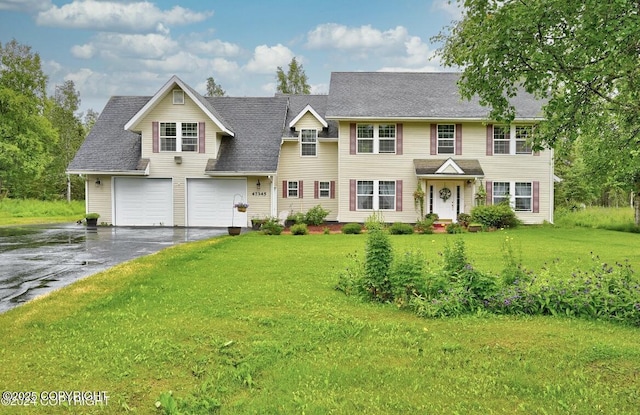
319 104
410 95
108 147
470 167
204 101
258 125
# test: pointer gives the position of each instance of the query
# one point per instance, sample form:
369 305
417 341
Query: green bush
425 226
407 279
399 228
378 259
495 216
272 226
316 215
454 228
352 228
375 221
299 229
464 219
296 217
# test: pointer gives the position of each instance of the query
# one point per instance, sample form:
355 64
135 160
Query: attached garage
143 202
210 202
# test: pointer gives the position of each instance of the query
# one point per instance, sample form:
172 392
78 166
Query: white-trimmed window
324 189
179 136
446 138
292 189
376 138
518 194
376 195
523 135
500 192
308 143
501 141
514 139
524 197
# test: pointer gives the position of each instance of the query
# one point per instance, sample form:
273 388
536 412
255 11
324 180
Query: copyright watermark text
54 398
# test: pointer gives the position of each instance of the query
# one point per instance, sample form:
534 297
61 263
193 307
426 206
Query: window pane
446 131
365 202
387 146
387 131
293 189
167 129
365 187
167 144
365 131
523 139
325 189
523 204
523 189
387 192
190 136
500 140
365 146
500 192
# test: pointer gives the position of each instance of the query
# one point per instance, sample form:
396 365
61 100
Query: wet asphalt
35 260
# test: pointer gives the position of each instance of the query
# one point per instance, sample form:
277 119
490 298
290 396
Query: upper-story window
308 143
515 139
446 138
376 138
178 136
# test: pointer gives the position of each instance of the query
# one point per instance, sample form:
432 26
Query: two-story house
180 159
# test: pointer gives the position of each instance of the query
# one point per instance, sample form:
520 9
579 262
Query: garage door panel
143 202
210 202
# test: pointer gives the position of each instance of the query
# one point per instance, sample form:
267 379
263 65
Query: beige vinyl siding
163 164
416 145
308 121
259 200
99 197
293 167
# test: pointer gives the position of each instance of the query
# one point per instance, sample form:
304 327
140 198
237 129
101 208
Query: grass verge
253 324
24 212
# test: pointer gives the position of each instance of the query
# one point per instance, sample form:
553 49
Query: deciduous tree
294 81
581 57
214 89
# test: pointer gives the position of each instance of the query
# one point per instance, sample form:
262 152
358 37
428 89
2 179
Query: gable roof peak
313 112
198 99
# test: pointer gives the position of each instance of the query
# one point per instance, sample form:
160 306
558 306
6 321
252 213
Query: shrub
375 221
316 215
378 259
454 228
399 228
299 229
425 226
296 217
464 219
271 226
406 277
496 216
352 228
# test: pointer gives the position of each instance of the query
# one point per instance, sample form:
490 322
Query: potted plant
241 206
92 219
234 230
256 223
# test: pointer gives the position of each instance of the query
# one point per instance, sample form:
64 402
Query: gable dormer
308 118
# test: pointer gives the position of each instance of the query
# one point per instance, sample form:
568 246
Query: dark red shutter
300 195
201 137
489 189
285 189
399 139
352 138
332 189
398 195
489 139
155 136
316 189
458 139
352 194
536 197
433 143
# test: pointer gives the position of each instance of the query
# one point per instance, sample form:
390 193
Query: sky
133 47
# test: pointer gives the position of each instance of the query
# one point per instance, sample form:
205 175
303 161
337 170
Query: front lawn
24 212
253 324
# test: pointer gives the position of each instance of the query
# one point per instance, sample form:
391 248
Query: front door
446 196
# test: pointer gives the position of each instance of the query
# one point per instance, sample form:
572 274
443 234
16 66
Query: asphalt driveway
35 260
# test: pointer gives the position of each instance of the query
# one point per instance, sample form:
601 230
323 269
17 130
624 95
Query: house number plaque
259 194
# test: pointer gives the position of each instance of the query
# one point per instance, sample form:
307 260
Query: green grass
253 324
23 212
616 219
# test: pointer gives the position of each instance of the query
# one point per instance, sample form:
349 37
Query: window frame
293 192
523 142
506 139
516 144
180 138
528 197
324 193
309 144
381 133
378 197
512 195
440 139
499 197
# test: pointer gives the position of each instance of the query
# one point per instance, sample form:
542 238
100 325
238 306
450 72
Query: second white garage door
210 202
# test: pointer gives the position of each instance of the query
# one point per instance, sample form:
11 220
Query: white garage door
210 202
143 202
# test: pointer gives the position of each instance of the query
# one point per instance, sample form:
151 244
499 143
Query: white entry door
445 200
210 202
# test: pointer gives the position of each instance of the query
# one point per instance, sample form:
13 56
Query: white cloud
214 47
83 51
266 59
28 6
452 8
139 16
335 36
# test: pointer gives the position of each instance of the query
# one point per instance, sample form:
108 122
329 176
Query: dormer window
178 97
308 143
179 136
